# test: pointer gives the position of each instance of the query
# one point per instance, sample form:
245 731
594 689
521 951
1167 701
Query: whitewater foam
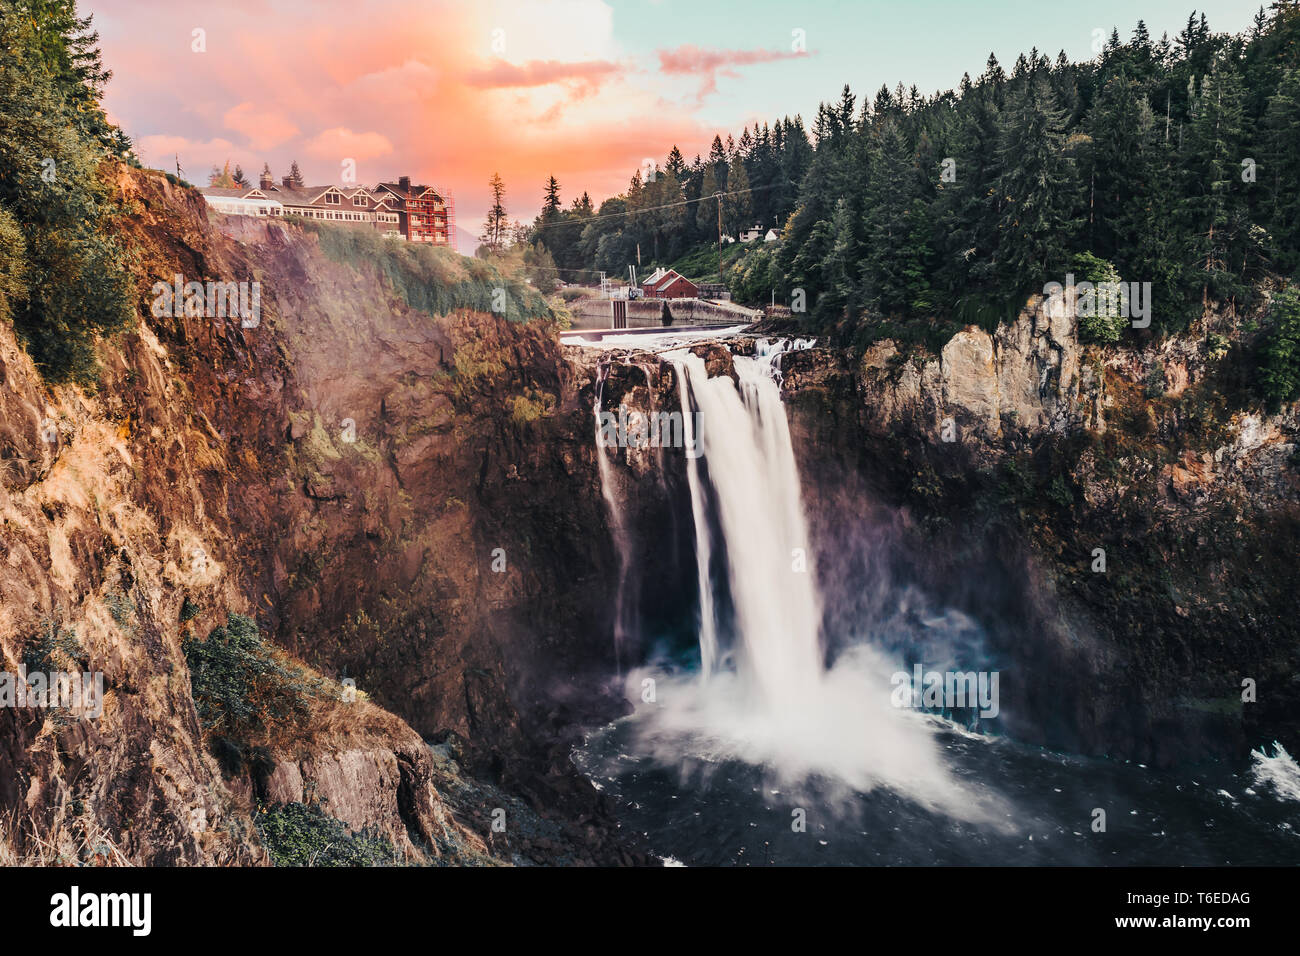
1278 772
768 699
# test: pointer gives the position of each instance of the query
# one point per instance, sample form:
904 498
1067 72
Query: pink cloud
341 142
265 129
692 60
162 149
540 73
300 80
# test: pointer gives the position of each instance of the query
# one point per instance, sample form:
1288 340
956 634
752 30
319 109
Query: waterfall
745 441
763 694
621 542
708 634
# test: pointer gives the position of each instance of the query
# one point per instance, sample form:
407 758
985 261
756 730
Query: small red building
669 284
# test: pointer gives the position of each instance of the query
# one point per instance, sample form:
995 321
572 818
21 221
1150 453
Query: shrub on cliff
1279 371
247 692
296 834
1101 319
13 264
751 278
53 138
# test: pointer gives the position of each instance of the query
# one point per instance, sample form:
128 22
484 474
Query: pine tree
551 205
890 192
295 174
63 274
1036 222
68 47
670 217
1110 163
737 211
675 164
706 214
1281 139
494 228
222 177
1213 202
838 287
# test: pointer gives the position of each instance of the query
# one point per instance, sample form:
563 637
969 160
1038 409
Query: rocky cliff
1126 511
400 499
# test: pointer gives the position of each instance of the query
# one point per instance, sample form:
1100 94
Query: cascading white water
621 542
772 702
746 442
708 634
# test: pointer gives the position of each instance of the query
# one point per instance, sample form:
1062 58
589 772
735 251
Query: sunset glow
452 92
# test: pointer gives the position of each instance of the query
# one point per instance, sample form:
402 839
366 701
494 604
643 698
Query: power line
593 271
669 205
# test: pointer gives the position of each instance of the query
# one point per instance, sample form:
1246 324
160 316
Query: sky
452 91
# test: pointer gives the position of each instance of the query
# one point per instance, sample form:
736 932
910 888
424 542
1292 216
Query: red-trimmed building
669 284
426 214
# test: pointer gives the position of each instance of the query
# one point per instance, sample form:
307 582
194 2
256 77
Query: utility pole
718 195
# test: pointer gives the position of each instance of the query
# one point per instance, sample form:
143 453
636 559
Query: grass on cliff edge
432 279
254 699
296 834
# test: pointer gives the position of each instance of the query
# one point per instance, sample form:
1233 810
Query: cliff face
397 499
103 508
1125 521
1026 379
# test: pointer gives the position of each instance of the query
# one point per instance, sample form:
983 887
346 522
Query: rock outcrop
349 471
1025 379
1126 509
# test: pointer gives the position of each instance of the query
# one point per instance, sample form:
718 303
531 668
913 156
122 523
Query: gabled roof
663 279
417 191
317 191
304 195
244 192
